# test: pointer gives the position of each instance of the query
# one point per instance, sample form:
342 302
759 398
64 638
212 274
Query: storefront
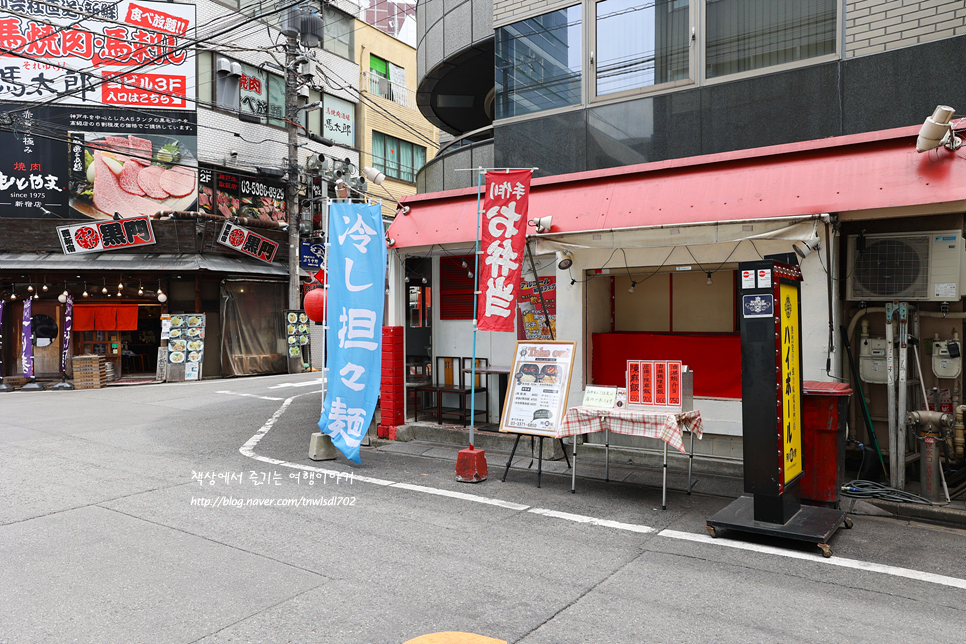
122 302
653 252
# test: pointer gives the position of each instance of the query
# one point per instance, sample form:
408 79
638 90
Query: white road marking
305 383
248 450
235 393
579 518
895 571
461 495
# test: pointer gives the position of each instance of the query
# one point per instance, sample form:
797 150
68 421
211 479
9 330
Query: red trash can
824 415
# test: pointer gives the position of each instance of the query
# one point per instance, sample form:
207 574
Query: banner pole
476 277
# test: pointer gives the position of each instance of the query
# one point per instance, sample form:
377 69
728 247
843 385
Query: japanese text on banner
502 239
356 278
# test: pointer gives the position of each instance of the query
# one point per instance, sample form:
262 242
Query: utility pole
291 114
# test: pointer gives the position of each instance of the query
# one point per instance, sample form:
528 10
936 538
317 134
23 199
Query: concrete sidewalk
636 467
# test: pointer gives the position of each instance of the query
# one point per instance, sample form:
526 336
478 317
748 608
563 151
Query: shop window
456 288
538 63
397 158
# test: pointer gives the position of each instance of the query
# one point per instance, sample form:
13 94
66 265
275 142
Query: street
190 512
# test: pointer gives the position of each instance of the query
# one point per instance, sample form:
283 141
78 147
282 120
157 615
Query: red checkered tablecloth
668 427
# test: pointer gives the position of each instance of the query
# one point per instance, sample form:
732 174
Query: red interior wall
715 358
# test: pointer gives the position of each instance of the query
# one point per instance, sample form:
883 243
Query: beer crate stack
90 371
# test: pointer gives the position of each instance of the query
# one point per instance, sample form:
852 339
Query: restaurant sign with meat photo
233 194
90 163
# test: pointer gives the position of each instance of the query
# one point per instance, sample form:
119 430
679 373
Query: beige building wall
389 117
872 26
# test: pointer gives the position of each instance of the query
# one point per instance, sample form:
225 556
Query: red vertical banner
674 384
503 229
647 383
633 382
660 383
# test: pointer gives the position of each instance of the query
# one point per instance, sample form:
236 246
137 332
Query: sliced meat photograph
179 181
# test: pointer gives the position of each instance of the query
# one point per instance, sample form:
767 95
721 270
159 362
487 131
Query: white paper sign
764 278
600 396
747 279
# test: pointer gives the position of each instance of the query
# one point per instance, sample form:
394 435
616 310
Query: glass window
276 100
396 158
744 35
338 33
538 63
641 44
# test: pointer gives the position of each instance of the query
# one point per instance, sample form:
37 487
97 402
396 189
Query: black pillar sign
771 383
771 411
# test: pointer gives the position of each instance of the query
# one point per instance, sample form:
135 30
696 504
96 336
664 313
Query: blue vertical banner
354 311
27 355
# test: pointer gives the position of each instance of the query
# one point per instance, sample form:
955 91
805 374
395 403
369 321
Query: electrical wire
860 489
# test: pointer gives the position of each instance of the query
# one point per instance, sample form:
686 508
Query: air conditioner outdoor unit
924 266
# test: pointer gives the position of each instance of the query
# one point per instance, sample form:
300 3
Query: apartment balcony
391 92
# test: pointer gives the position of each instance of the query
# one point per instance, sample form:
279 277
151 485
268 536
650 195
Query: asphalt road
191 513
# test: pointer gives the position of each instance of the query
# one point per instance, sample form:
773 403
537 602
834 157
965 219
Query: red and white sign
654 383
503 230
634 382
247 242
135 53
106 235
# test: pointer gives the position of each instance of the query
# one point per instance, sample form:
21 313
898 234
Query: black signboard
49 151
233 194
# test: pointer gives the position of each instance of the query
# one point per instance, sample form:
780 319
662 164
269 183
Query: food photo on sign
132 174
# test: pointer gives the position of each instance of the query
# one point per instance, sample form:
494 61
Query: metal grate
892 267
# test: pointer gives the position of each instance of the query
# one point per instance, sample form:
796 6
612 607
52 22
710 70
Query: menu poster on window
536 400
186 346
296 332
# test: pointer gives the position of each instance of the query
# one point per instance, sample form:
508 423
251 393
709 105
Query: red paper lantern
315 304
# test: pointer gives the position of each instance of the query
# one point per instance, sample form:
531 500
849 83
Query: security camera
805 248
937 131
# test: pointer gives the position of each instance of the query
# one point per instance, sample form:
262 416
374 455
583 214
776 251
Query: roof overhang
861 173
129 262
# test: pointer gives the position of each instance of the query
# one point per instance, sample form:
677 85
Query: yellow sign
791 382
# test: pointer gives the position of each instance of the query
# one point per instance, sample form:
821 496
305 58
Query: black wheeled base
810 524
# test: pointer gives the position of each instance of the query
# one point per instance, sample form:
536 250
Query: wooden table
668 427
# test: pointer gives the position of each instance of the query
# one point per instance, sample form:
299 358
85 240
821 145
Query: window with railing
388 81
397 158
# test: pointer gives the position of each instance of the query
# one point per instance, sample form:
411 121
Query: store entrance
139 349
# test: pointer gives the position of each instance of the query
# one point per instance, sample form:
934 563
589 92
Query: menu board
536 400
186 344
296 332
